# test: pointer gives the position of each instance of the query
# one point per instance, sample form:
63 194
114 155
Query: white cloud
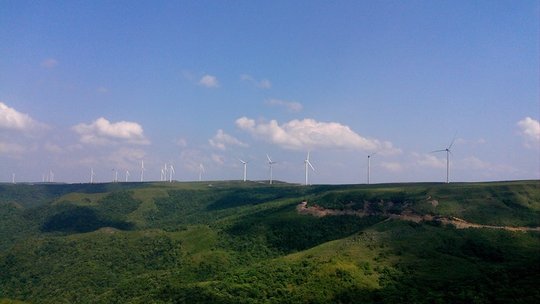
11 149
218 159
12 119
221 140
530 130
101 131
49 63
53 148
392 166
291 106
429 160
310 134
262 84
474 163
209 81
126 158
181 142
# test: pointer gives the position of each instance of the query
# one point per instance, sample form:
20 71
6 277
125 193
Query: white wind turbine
13 178
245 168
448 152
171 172
369 166
163 173
270 164
127 175
201 171
307 164
142 171
92 174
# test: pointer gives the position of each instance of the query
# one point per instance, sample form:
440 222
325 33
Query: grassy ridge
245 243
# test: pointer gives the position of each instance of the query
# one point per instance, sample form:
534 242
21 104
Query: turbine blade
310 165
452 142
269 160
444 150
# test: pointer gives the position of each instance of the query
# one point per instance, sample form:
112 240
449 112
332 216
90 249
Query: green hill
235 242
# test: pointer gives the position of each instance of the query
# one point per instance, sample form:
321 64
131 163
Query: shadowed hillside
235 242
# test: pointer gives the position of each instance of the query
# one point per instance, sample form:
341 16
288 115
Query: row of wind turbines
167 171
271 163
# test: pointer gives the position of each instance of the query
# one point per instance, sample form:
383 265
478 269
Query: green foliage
245 243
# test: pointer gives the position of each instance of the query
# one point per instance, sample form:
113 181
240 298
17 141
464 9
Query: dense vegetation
233 242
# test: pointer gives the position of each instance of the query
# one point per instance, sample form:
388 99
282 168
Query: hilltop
235 242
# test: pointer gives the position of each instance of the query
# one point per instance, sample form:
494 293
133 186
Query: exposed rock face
458 223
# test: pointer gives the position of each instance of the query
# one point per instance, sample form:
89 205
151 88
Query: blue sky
103 85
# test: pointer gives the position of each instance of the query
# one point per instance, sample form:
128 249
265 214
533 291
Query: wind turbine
201 171
369 166
127 175
51 176
13 178
306 164
270 163
115 176
245 168
163 173
448 152
142 170
92 174
171 172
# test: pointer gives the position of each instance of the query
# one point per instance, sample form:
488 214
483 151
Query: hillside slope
233 242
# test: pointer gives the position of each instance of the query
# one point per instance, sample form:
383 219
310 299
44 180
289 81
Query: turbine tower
13 178
92 174
127 175
171 172
201 171
245 168
369 166
142 170
270 164
307 164
448 152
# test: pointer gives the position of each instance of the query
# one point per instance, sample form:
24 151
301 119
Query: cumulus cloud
392 166
209 81
261 84
11 148
221 140
49 63
310 134
53 148
429 160
125 158
529 129
218 159
291 106
102 131
14 120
